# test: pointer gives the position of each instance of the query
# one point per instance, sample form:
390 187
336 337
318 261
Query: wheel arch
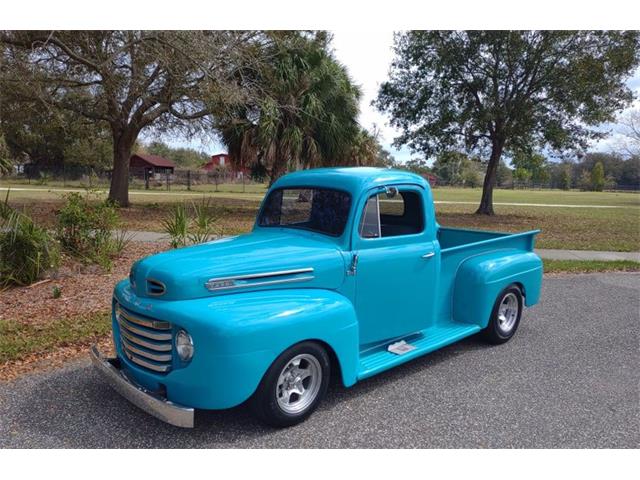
480 279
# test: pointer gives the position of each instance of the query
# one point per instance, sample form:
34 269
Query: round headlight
184 346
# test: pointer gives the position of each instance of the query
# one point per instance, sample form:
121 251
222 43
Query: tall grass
177 226
186 227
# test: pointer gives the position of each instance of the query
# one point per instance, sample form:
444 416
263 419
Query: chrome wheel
508 312
299 383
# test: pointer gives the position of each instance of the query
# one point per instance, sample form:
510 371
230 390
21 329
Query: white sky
367 56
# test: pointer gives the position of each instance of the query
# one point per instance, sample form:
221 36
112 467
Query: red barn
217 160
223 160
141 163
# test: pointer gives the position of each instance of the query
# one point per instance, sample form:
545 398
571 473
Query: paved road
569 378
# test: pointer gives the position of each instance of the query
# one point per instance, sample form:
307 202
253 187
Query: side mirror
391 192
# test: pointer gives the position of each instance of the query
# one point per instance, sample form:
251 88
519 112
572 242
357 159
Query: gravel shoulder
568 379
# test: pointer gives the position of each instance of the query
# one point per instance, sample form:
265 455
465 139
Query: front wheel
293 386
505 316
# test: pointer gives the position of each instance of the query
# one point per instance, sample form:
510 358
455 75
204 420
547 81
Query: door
396 266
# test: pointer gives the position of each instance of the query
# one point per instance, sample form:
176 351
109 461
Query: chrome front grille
145 341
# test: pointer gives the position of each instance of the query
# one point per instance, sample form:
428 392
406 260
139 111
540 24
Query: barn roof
155 160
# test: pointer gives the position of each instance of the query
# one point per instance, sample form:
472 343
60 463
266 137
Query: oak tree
128 81
496 92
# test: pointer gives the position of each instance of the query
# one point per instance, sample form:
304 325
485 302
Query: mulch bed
85 290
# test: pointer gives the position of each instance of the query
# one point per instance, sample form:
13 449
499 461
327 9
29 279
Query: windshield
321 210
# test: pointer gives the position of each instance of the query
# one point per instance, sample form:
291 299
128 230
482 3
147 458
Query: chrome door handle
428 255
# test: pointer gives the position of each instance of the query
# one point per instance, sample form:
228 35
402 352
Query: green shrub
27 251
597 177
86 229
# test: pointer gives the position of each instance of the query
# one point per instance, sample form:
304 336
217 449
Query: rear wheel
293 386
505 316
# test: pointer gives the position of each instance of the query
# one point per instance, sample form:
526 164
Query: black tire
264 402
496 332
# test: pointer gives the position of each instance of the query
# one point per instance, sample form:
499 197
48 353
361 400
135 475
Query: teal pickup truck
345 274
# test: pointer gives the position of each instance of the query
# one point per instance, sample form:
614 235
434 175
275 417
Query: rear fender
480 279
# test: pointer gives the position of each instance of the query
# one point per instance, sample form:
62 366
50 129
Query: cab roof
352 179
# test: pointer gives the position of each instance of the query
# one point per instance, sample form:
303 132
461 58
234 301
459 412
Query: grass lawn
590 266
615 229
447 194
19 339
558 197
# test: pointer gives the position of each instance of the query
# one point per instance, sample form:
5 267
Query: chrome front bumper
158 407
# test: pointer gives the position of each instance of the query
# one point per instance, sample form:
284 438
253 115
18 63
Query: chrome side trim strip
250 276
144 333
228 283
161 408
158 357
262 284
156 324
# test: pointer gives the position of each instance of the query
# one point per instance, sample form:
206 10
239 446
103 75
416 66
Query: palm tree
306 115
5 160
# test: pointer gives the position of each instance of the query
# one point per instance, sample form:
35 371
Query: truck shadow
74 408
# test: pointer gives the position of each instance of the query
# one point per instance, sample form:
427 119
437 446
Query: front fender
238 336
275 320
480 279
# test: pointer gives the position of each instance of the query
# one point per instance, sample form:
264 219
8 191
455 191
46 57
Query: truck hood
256 261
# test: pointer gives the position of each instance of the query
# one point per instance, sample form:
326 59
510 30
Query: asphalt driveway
570 378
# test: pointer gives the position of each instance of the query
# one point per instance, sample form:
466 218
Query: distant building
152 165
431 178
224 160
217 160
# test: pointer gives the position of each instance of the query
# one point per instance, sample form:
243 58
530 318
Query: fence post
146 179
188 179
167 175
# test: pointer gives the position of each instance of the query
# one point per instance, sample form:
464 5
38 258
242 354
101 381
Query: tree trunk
486 202
119 189
278 168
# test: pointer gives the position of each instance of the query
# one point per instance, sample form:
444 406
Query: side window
370 221
390 217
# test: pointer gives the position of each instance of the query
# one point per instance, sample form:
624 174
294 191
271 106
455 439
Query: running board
424 342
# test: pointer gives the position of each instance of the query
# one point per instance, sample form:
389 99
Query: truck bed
453 239
459 244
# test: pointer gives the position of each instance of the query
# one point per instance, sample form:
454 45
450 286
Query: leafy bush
189 228
87 230
26 250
